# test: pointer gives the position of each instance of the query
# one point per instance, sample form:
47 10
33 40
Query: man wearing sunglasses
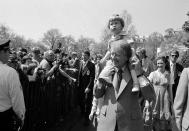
175 69
12 107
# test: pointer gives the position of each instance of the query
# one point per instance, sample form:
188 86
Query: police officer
12 106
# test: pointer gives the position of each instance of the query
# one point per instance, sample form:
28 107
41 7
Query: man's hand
74 70
87 90
91 116
21 125
55 67
71 79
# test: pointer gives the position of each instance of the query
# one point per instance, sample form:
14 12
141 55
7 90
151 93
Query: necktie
119 78
84 64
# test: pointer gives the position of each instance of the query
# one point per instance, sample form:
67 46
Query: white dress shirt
85 63
172 69
11 94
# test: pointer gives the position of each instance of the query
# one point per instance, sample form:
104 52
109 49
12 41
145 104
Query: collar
85 62
119 36
171 63
124 69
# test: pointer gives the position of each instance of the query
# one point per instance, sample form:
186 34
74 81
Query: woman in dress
160 79
146 63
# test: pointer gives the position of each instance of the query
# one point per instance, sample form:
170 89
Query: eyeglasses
174 55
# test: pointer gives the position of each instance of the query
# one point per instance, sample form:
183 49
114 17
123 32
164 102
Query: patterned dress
161 110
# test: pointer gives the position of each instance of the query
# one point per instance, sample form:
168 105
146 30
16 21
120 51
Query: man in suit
175 69
120 110
181 103
86 83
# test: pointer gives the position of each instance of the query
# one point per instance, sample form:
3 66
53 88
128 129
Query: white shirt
11 94
85 63
172 72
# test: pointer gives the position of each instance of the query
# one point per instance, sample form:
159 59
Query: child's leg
94 108
107 72
133 62
135 81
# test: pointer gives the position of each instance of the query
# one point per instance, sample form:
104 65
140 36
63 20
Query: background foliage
53 38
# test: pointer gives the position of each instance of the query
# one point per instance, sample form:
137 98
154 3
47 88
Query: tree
97 48
169 33
129 27
18 41
152 43
51 37
185 39
68 43
5 32
84 43
41 46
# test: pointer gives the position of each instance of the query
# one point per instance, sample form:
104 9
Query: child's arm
104 59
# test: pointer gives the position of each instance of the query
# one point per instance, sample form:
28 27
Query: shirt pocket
103 110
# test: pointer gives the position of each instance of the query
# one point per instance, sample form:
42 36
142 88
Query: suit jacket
181 103
178 70
122 108
86 76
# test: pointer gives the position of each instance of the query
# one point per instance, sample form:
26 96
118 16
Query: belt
7 113
10 120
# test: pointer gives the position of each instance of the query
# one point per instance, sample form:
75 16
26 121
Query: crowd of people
123 91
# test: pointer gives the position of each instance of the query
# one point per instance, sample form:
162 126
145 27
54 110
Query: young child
116 25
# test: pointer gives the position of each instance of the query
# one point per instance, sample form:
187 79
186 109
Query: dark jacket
178 70
86 76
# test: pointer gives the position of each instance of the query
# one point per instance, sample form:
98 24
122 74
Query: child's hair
116 17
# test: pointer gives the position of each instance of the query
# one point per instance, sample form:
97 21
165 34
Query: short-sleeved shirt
11 94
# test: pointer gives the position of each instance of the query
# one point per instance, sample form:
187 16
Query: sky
32 18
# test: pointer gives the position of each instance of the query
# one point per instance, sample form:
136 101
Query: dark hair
23 60
143 51
57 51
175 52
118 18
69 58
63 54
99 56
36 50
23 50
87 53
